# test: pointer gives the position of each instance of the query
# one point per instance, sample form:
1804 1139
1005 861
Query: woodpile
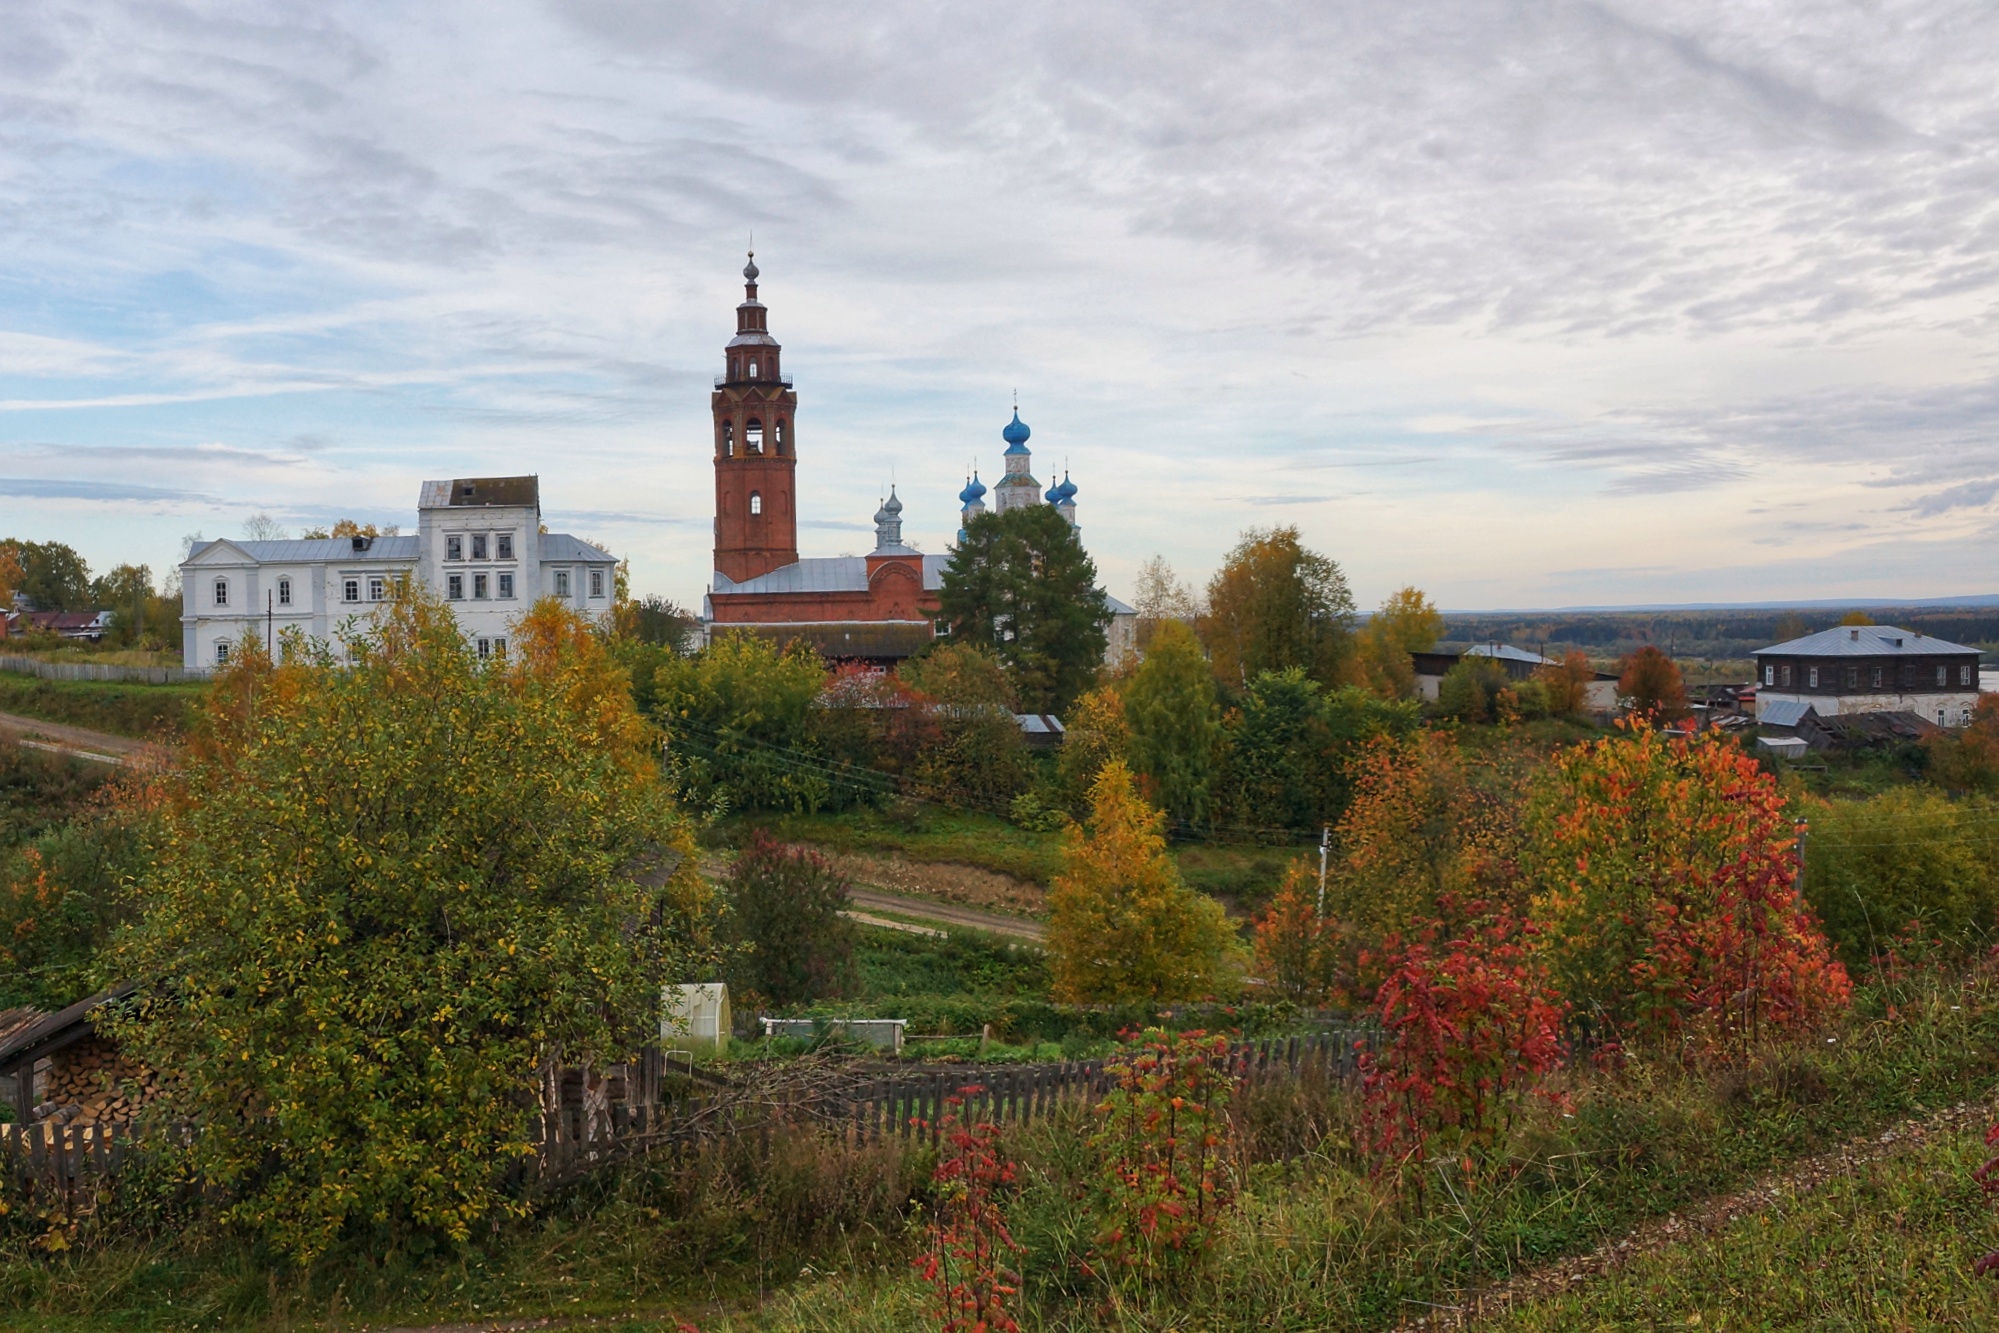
92 1083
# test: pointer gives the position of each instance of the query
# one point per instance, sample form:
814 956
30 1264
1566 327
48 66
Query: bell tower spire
756 463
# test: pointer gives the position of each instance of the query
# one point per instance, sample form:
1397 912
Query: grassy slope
139 711
1329 1248
1889 1245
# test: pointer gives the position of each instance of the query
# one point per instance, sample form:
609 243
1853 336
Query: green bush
1909 855
792 944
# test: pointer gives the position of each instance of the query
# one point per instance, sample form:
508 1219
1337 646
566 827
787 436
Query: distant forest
1718 637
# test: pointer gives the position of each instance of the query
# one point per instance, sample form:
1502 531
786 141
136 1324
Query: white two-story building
478 545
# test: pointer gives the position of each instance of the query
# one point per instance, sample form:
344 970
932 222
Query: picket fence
63 1164
67 1162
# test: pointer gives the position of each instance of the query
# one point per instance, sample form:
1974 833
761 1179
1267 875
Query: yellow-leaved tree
1122 926
384 899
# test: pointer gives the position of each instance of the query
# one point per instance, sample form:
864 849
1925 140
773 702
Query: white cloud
1480 296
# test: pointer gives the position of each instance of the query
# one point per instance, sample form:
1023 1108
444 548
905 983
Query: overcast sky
1526 304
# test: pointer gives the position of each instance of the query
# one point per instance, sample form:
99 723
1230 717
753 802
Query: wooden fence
62 1164
34 666
65 1161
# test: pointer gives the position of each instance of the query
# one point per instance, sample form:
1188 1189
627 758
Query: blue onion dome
1016 434
1054 493
1067 490
975 491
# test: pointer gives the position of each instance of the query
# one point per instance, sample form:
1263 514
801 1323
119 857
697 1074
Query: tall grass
143 712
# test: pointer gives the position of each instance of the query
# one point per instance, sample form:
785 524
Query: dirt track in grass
1707 1218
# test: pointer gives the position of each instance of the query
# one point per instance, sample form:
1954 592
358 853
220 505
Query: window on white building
561 583
350 590
376 589
596 583
478 546
454 548
454 587
506 587
284 592
222 592
500 649
221 651
479 587
485 649
503 546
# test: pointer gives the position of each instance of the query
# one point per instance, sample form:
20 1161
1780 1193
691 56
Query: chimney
1854 634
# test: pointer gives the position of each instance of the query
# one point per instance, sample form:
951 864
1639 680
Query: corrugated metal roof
1783 713
562 546
1864 641
334 550
1504 652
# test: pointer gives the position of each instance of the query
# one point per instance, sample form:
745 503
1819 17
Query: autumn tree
1407 623
1649 683
1856 618
1565 684
1160 596
738 716
1967 760
1175 723
1121 924
1662 870
53 577
1297 945
784 919
11 575
387 898
263 528
1275 604
977 757
1428 832
1021 585
1095 733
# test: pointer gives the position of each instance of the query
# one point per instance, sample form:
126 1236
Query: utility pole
1325 845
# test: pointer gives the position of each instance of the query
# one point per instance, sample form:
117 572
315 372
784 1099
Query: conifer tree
1021 585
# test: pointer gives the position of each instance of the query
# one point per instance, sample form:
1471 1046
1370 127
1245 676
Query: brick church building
878 608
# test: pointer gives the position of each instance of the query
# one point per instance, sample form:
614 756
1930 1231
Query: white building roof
332 550
1864 641
562 546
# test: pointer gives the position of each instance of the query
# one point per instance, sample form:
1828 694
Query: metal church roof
562 546
333 550
1863 641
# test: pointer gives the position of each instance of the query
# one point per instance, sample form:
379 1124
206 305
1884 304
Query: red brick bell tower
756 463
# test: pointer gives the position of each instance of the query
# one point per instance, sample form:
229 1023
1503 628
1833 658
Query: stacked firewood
91 1083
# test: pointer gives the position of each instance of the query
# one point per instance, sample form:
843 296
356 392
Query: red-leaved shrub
1470 1030
970 1246
1161 1136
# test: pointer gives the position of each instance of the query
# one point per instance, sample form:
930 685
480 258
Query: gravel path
950 914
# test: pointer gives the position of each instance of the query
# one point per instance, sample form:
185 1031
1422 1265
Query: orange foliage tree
1650 682
1426 828
1567 683
1665 894
1968 760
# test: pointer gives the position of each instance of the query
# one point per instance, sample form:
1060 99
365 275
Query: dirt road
948 914
60 738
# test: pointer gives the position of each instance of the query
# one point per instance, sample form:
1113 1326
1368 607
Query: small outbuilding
695 1017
